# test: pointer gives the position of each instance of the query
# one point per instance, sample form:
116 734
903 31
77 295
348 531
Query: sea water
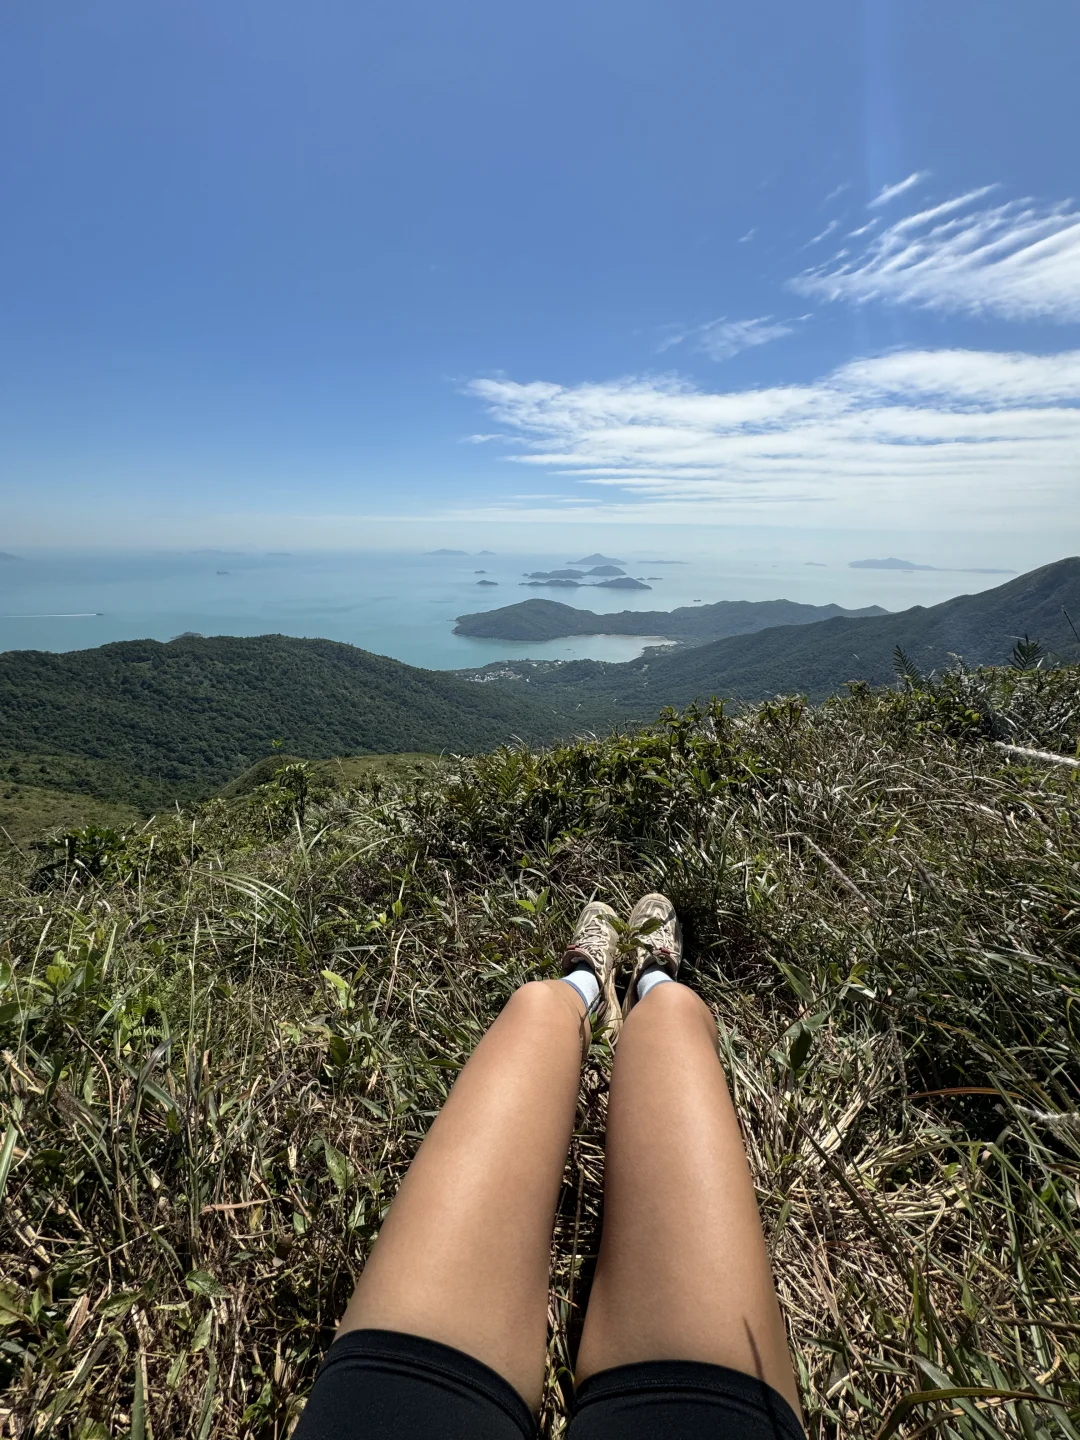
402 604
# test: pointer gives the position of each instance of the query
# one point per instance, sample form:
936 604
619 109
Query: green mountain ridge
551 620
816 660
149 722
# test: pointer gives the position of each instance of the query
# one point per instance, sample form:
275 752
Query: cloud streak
952 433
832 226
1016 261
723 338
892 192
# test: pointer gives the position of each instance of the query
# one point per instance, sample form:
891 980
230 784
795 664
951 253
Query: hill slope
147 722
550 620
216 1073
816 660
982 628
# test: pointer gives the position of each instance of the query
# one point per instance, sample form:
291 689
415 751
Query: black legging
380 1385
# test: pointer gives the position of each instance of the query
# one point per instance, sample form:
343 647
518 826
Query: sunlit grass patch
225 1033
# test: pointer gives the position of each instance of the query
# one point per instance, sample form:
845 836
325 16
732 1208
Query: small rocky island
615 579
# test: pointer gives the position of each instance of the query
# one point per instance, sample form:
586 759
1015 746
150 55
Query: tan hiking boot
595 944
658 942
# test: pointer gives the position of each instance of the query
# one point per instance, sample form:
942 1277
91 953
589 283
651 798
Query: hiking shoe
660 943
595 945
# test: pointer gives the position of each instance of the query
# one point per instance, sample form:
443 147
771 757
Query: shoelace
592 938
660 954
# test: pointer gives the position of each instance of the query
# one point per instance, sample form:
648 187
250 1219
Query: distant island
892 563
602 560
575 580
555 574
5 557
488 582
548 620
448 552
573 574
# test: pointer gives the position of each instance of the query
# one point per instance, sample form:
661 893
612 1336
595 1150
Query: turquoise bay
401 604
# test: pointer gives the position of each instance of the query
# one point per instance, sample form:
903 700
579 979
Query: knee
543 998
679 999
677 1004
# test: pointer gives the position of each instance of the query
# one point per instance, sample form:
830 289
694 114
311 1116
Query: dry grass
226 1034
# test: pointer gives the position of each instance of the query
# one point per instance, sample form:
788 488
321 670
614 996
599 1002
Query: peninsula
695 625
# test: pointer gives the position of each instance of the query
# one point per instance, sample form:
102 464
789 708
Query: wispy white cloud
745 239
949 433
832 226
985 380
863 229
721 339
891 192
834 194
1019 261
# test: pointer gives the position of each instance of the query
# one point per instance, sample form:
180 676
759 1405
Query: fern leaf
906 670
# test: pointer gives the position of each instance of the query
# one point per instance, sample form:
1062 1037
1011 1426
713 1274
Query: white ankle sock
653 977
585 983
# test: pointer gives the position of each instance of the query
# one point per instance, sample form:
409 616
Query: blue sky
372 273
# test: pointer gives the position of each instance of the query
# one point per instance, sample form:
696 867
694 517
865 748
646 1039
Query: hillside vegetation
148 723
226 1032
550 620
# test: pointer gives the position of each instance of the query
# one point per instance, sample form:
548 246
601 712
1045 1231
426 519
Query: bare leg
683 1272
463 1254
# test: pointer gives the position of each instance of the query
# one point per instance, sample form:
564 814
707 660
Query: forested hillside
148 722
980 628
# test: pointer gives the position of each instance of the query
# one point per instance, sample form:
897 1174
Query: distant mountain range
549 620
892 563
148 723
816 660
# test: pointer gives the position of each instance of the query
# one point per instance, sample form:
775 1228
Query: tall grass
225 1034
